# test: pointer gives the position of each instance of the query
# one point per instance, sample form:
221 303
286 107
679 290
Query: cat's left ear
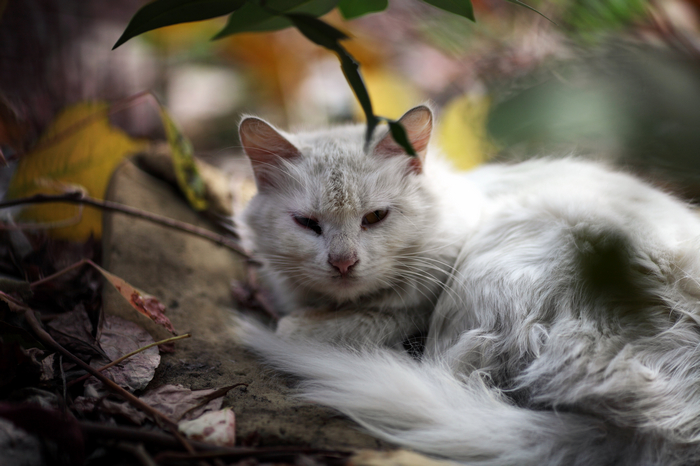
418 123
266 148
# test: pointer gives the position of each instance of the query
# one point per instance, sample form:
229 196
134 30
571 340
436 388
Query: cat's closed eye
309 223
374 217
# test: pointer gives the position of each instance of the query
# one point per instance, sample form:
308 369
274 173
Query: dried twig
155 414
127 356
108 431
212 396
80 198
283 454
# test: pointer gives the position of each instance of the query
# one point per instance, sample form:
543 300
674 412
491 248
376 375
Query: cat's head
335 218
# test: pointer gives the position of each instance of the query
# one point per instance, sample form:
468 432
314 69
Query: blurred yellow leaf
188 178
390 93
462 131
79 148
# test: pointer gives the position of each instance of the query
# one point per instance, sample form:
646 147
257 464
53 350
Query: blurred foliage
188 178
80 149
462 132
591 16
272 15
613 77
351 9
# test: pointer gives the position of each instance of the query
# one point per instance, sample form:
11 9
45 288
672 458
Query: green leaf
458 7
188 178
254 16
518 2
317 31
162 13
351 70
351 9
398 134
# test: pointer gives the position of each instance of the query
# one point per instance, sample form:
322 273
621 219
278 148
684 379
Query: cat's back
575 191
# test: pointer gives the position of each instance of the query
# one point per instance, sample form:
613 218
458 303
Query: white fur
559 299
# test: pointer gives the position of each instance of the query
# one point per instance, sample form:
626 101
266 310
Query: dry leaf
80 148
176 400
217 427
73 330
144 303
120 337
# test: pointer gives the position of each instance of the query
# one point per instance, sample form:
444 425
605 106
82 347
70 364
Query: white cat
559 298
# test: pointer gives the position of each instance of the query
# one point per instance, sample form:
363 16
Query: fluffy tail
425 407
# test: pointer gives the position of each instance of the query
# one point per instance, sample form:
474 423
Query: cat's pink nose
342 263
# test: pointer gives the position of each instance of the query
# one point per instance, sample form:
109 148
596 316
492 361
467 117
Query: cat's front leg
355 328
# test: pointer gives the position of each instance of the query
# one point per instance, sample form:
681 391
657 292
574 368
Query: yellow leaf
188 178
462 131
80 148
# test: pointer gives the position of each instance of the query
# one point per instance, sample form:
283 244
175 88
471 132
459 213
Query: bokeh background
614 79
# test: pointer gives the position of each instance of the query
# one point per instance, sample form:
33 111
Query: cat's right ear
266 148
418 124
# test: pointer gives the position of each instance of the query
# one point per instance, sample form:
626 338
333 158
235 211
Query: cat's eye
309 223
374 217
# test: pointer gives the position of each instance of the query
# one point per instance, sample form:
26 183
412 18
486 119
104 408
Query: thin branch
79 198
288 454
55 275
127 356
48 340
212 396
135 434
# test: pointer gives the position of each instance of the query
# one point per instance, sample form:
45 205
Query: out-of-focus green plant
591 16
273 15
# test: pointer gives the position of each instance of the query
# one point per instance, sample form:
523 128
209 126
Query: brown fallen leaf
176 400
142 302
120 337
146 304
73 330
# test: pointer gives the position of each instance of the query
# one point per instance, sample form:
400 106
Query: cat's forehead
338 179
338 174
